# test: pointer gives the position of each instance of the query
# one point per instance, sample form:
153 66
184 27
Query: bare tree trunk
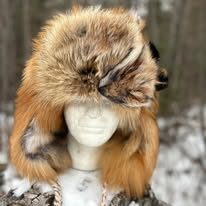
201 55
153 21
4 50
8 67
178 33
174 26
179 50
5 24
26 29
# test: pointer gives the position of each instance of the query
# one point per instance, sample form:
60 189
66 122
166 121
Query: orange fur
48 119
132 171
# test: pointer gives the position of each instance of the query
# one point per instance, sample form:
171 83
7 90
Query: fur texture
75 56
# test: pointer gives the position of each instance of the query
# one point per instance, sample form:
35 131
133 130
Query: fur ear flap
162 80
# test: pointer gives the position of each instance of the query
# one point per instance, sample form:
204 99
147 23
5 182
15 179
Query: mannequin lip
89 127
92 129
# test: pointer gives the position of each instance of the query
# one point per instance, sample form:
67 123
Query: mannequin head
90 125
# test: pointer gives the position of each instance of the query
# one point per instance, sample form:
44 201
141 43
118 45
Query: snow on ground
180 177
178 180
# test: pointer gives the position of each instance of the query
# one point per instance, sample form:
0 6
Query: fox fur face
77 50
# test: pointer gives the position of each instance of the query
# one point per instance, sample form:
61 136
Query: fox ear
162 76
162 80
154 52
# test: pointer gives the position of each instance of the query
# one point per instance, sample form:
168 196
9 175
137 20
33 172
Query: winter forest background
178 29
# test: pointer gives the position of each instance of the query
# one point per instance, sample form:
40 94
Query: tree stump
35 198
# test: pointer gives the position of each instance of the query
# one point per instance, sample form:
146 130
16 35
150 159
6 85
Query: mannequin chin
90 125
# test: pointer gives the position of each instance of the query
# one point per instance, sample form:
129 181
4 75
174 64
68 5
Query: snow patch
180 175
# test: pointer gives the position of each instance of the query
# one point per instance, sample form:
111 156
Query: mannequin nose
94 112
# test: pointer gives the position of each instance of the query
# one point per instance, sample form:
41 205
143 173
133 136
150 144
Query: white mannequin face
90 124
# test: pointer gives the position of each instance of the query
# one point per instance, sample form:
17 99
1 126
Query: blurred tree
8 51
153 20
26 22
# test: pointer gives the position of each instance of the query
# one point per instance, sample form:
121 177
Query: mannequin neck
83 157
